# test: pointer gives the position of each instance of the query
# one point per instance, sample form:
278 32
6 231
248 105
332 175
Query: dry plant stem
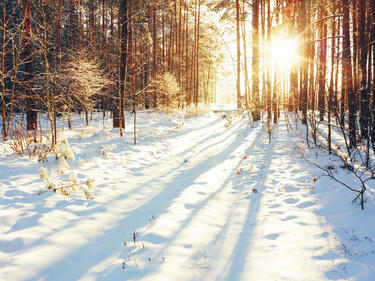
333 177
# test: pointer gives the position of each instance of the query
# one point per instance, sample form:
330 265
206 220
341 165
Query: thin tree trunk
71 25
269 90
373 74
348 75
197 56
330 91
322 63
3 105
247 83
255 61
188 90
355 51
363 48
118 110
154 61
238 82
31 114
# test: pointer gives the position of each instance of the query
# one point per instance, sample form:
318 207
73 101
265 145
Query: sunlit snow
195 199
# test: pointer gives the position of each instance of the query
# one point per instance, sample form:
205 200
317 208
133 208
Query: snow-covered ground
197 198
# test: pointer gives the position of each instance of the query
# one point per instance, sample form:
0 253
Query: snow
196 199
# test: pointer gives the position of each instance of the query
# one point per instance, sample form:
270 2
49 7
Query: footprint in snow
154 238
291 200
290 189
305 204
327 256
288 218
272 236
190 206
237 187
12 246
277 212
275 206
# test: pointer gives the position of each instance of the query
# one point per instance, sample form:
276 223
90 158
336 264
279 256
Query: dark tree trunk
154 62
365 98
347 66
304 63
268 76
118 110
31 114
322 62
331 84
373 74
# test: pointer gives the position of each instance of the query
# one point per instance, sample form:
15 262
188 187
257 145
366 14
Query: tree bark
31 114
363 51
322 63
118 109
238 55
347 66
255 61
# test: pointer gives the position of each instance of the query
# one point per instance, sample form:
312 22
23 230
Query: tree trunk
363 48
118 110
154 55
322 62
197 56
3 102
347 65
373 75
247 83
238 82
71 25
31 114
238 55
331 84
268 83
255 61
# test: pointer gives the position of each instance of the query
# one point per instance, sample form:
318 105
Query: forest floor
198 198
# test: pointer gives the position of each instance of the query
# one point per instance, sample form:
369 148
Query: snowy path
187 200
233 234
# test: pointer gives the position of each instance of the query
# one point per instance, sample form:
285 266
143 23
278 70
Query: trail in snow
179 206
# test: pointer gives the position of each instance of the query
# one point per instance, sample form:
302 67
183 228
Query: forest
60 57
220 139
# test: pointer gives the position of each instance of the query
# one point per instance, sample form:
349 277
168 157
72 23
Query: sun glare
284 52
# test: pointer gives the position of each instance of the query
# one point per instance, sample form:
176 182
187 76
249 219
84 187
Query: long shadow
40 209
197 207
173 133
24 197
205 125
187 153
240 251
91 253
236 205
223 135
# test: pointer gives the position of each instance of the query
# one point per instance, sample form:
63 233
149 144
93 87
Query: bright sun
283 52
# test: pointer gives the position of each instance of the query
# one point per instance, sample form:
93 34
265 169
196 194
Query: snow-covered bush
105 149
168 91
67 185
63 150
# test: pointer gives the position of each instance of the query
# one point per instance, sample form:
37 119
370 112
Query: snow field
195 199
